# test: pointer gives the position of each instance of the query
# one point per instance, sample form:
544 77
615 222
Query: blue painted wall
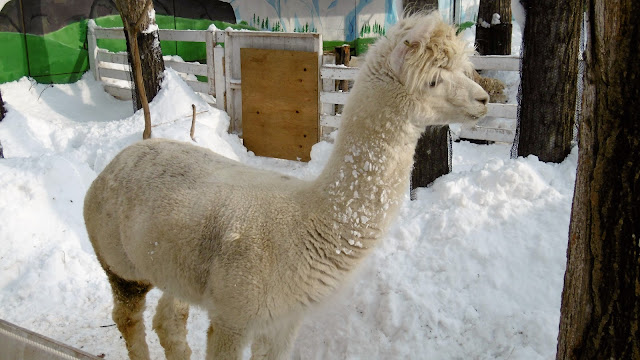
343 20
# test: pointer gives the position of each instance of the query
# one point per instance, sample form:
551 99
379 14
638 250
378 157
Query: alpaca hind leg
277 343
128 308
170 323
223 343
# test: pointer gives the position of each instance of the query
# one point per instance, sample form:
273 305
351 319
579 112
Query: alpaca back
210 229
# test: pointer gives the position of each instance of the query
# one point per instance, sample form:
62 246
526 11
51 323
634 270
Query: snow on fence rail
329 97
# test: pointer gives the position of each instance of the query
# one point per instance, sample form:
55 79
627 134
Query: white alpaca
257 249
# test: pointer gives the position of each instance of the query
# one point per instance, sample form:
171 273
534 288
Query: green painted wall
61 56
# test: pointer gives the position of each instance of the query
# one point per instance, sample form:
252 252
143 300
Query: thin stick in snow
193 123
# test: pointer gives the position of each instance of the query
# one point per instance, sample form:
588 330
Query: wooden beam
107 56
496 62
187 67
334 97
115 74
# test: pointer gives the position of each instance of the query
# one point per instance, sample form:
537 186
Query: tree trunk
145 55
493 34
433 153
549 83
600 311
152 65
2 110
432 158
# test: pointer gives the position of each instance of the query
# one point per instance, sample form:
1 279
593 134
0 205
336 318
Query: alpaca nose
484 98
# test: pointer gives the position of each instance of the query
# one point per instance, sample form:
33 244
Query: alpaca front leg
277 343
223 343
170 323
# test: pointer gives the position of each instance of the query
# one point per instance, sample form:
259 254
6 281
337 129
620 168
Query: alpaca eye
433 84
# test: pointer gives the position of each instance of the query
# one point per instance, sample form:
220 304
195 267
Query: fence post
327 85
343 57
93 49
220 82
210 44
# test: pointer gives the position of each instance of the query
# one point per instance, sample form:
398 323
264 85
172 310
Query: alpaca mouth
476 116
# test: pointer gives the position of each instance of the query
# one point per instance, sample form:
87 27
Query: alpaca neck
368 173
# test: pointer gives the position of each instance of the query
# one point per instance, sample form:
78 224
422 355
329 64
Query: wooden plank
220 36
187 67
334 97
198 86
93 49
235 84
338 72
108 56
262 34
115 74
182 35
488 134
234 124
509 111
327 85
331 120
209 46
21 344
109 33
280 102
496 62
220 80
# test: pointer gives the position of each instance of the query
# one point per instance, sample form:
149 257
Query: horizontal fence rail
102 61
329 73
115 66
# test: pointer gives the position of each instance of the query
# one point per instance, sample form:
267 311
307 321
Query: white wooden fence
102 61
329 119
224 79
222 68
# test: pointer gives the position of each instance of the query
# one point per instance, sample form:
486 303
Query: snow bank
472 269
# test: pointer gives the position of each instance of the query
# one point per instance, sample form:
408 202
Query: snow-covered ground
472 269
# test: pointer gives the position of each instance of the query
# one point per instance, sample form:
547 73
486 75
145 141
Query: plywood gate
279 102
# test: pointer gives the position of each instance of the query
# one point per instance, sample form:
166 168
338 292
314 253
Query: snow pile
472 269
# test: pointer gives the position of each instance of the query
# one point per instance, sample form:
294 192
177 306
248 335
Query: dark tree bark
600 311
494 37
152 65
432 158
433 153
548 86
2 110
145 55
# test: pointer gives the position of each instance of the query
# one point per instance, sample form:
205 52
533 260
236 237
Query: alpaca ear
396 59
419 34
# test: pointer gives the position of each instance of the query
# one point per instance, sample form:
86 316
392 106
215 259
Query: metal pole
456 12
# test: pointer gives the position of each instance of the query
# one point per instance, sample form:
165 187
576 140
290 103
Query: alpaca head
431 64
